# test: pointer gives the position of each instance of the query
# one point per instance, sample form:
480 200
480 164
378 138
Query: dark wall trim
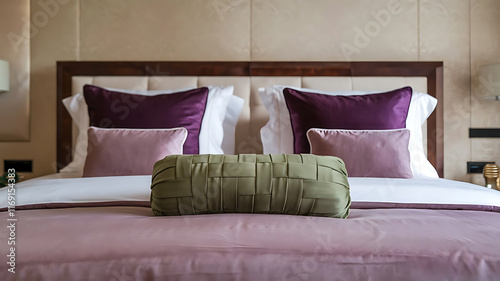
484 133
476 167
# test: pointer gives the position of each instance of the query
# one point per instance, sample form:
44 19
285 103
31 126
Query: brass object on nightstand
491 174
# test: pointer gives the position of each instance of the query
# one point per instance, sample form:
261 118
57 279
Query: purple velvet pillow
381 111
109 109
366 153
121 152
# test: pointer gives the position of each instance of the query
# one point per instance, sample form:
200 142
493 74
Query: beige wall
462 33
15 48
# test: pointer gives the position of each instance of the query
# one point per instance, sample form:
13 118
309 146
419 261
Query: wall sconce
489 81
4 76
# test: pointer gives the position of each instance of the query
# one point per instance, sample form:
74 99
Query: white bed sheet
68 188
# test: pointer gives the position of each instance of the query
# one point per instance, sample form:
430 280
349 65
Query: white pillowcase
212 133
233 112
277 136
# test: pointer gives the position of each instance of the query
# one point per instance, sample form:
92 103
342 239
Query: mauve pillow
366 153
109 109
120 152
382 111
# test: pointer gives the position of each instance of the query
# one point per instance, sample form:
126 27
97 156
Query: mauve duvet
378 241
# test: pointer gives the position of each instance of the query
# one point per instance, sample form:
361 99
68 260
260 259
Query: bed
68 227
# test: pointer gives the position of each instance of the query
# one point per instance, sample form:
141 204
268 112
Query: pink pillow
119 152
366 153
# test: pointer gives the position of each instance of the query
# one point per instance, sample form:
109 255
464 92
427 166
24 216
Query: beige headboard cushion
254 115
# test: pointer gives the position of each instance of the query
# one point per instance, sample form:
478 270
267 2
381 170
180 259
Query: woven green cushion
298 184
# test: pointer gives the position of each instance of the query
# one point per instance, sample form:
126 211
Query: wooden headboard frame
432 70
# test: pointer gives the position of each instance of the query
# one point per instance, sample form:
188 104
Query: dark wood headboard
432 70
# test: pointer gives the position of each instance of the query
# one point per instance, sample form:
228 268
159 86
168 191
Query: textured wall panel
165 30
334 30
54 38
15 48
485 49
444 35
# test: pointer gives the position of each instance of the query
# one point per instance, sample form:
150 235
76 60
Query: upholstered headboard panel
247 78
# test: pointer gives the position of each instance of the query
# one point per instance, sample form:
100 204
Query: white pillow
212 132
277 135
232 116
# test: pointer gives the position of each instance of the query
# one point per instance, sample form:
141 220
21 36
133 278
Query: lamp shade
489 81
4 76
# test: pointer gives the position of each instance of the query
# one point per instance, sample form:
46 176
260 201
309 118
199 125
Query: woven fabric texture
297 184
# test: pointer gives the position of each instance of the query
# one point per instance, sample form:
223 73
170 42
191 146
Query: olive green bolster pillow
297 184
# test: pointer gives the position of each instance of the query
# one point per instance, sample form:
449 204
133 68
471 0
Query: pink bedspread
129 243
